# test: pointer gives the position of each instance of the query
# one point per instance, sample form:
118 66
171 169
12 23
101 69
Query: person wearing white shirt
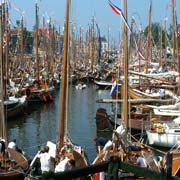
12 144
45 160
62 165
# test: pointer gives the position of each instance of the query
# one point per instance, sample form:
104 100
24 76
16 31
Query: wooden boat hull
16 109
17 173
11 176
40 95
104 122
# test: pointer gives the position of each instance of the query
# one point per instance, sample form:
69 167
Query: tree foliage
157 34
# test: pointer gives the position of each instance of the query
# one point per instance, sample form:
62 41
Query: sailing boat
12 163
72 151
13 105
123 144
39 90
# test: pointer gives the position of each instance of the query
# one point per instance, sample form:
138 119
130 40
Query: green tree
156 33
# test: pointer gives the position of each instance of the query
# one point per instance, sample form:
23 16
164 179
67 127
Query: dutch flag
114 88
118 11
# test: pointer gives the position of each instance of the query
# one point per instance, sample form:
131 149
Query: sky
82 12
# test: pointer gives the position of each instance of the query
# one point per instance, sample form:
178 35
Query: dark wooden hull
105 124
40 96
18 110
17 172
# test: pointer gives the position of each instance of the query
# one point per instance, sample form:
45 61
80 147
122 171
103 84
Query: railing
111 167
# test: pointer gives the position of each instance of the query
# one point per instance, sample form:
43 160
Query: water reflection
42 123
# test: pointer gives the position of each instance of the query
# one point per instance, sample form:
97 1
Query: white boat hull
163 139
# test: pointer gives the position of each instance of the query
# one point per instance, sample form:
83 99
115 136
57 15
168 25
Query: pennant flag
114 88
119 12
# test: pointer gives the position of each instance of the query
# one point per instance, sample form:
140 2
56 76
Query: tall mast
6 48
148 39
161 44
64 77
173 35
37 53
125 85
22 41
2 117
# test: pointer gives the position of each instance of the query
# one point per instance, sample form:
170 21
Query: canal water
41 123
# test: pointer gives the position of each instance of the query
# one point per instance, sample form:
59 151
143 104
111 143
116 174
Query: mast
99 41
165 38
64 77
148 39
22 40
161 61
6 48
36 42
2 117
93 45
173 35
125 92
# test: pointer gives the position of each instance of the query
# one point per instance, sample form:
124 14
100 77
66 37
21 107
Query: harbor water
41 122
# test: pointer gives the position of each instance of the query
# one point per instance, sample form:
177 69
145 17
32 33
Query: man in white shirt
45 160
12 144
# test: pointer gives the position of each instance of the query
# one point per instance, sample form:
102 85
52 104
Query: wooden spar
135 101
44 43
6 31
22 42
173 35
149 76
36 42
125 84
2 117
161 63
64 77
177 45
165 37
148 39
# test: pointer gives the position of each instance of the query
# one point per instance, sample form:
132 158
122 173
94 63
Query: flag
99 176
114 88
119 12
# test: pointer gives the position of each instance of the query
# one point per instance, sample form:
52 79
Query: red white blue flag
114 88
118 11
